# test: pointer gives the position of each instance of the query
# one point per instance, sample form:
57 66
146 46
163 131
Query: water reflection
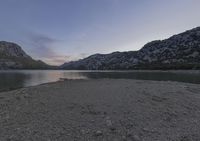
144 75
39 77
17 79
12 81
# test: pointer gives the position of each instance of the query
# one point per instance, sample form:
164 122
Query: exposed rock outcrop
13 57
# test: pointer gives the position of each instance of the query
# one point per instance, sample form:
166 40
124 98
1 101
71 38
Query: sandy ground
102 110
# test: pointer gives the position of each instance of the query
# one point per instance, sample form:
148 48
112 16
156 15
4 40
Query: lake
13 79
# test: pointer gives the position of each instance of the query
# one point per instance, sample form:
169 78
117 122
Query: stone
98 133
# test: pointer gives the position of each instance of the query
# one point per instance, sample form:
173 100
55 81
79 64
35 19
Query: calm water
17 79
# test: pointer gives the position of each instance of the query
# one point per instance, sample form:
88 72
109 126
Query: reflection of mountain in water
17 79
158 76
10 81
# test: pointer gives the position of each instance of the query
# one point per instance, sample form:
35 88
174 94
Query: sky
58 31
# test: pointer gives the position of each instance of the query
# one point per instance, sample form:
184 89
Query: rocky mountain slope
13 57
180 51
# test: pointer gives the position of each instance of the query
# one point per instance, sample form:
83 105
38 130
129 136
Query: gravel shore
102 110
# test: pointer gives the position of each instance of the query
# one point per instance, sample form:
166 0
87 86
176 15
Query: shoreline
102 109
29 78
66 79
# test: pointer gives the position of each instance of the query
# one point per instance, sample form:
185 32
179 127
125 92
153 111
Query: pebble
136 138
92 120
124 138
98 133
83 131
133 137
109 124
146 129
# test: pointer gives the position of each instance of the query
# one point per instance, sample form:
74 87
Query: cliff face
13 57
180 51
8 49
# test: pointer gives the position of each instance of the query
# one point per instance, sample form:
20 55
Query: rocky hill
180 51
13 57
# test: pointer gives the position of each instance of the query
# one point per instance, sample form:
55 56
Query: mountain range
181 51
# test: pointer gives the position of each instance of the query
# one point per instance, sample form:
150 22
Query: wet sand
102 110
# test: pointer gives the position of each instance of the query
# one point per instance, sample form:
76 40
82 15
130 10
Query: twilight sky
57 31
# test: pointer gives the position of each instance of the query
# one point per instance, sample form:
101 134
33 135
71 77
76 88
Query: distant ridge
13 57
180 51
